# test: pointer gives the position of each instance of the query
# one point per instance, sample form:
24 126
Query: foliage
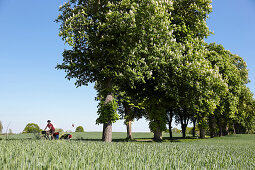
174 130
107 112
32 128
106 39
189 130
79 129
149 57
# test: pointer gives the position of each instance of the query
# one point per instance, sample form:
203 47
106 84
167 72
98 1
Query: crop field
117 136
230 152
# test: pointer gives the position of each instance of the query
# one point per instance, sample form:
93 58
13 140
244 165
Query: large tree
111 40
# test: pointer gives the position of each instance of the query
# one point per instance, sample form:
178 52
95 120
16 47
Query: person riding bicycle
51 128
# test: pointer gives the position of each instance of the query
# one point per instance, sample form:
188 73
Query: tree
180 74
234 71
79 129
1 127
107 44
32 128
243 122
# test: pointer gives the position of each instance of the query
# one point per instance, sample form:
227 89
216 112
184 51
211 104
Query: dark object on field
56 135
66 136
45 135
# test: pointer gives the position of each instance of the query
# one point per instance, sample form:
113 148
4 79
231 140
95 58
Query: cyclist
51 128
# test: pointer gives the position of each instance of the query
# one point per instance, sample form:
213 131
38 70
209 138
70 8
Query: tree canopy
79 129
149 59
32 128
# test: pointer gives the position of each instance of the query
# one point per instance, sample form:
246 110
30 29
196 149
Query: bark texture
212 126
202 133
128 120
129 129
169 120
194 128
184 127
170 131
158 134
108 132
107 127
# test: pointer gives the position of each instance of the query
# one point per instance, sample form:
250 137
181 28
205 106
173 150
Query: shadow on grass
138 139
143 140
179 139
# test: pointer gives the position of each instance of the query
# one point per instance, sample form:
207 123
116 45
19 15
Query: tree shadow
141 140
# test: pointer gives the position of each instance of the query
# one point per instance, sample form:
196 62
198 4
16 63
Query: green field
230 152
95 136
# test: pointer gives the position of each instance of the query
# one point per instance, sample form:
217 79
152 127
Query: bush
174 130
79 129
32 128
189 130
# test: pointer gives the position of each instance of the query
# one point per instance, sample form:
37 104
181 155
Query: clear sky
32 90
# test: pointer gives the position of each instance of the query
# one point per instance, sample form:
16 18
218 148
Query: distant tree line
148 58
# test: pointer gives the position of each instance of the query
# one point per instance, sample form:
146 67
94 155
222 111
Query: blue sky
32 90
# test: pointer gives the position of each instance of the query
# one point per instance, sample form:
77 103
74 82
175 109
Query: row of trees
148 58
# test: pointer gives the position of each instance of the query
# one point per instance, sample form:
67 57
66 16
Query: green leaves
32 128
155 56
107 112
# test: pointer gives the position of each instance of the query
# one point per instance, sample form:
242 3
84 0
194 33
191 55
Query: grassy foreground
231 152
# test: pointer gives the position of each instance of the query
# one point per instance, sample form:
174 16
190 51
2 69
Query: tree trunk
107 128
128 120
202 133
169 119
129 129
220 127
108 132
225 132
194 128
103 136
170 129
184 126
220 132
212 125
158 135
234 130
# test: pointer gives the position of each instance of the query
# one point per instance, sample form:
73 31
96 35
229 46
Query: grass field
117 136
230 152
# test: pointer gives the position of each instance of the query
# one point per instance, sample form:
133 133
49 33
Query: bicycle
45 135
